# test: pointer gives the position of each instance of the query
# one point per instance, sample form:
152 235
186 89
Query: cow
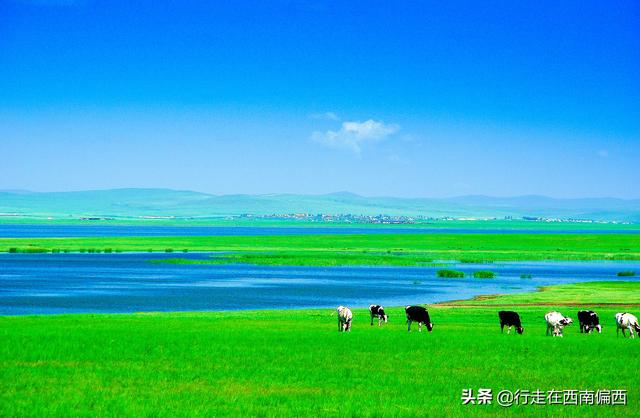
344 319
556 323
627 321
510 319
589 321
419 315
377 311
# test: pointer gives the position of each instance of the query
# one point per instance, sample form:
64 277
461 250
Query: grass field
592 293
295 363
361 249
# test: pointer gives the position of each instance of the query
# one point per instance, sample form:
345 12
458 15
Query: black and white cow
377 311
510 319
420 315
589 321
556 323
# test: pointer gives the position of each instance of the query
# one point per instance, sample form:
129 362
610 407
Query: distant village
348 218
342 218
400 219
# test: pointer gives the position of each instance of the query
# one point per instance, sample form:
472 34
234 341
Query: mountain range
178 203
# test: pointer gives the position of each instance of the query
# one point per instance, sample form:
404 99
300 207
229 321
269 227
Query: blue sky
378 98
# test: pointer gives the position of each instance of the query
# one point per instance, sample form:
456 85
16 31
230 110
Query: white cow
344 319
556 323
627 321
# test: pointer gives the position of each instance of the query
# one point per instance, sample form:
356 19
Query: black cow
419 315
377 311
589 321
510 319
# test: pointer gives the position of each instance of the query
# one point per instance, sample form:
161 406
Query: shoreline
459 303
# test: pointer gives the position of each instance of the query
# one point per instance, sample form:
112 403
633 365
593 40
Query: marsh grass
452 274
364 249
484 274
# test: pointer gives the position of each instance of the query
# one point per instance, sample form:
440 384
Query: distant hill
164 202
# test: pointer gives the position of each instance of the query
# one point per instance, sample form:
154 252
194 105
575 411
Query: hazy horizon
337 192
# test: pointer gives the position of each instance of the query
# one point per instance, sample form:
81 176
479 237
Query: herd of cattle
556 322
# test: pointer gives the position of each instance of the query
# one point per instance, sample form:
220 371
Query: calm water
67 283
34 231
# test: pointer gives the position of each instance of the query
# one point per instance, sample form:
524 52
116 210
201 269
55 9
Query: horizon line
341 192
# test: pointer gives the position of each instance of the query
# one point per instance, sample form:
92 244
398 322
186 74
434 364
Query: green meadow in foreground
295 363
361 249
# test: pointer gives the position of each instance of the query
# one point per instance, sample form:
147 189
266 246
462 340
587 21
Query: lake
69 231
130 282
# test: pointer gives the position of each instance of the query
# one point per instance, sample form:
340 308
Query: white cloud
354 135
325 116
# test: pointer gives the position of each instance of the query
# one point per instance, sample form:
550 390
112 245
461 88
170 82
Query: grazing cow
377 311
419 315
627 321
556 323
344 319
589 321
510 319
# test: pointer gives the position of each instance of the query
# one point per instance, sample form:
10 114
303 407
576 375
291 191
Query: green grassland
590 293
361 249
295 363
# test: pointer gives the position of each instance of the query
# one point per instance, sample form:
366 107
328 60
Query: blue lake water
92 230
100 283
